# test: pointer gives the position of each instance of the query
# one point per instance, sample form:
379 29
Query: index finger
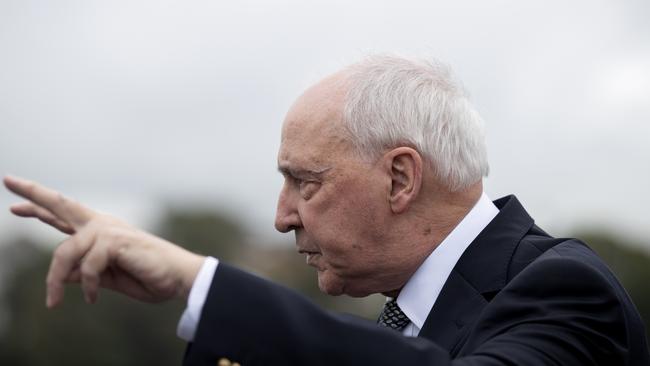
73 213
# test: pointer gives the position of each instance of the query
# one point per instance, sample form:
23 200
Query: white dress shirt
190 319
416 298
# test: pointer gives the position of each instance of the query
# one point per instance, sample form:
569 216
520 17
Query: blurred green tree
120 331
630 264
116 331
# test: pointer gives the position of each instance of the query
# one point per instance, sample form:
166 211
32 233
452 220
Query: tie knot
392 316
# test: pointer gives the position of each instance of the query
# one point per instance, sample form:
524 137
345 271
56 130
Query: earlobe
404 165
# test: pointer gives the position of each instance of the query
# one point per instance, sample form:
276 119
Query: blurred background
168 114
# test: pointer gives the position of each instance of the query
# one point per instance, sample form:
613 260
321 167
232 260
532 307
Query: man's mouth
312 256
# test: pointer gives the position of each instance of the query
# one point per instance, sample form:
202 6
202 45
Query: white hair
392 101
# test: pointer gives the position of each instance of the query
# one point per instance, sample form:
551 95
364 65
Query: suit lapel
456 306
479 274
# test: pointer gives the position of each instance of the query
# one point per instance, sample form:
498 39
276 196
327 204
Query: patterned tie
392 316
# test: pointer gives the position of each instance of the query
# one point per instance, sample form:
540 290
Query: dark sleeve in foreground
256 322
557 311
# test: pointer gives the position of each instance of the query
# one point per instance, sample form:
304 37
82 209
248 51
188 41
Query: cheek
351 237
347 220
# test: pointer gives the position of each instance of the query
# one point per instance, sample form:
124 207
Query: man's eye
308 188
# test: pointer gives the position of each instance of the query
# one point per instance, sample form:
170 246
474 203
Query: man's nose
286 216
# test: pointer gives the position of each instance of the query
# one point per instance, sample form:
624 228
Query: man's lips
312 256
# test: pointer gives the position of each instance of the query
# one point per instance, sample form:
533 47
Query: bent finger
65 209
92 268
66 257
28 209
74 276
115 279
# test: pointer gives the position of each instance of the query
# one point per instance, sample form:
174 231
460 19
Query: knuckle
105 234
88 274
62 252
116 235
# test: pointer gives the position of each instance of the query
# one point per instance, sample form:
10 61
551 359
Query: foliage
630 264
119 331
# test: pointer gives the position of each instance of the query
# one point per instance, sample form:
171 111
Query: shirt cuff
192 315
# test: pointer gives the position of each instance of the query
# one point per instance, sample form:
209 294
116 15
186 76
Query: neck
429 225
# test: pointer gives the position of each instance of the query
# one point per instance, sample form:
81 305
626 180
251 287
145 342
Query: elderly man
383 164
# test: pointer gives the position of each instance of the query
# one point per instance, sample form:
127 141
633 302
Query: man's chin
336 286
329 285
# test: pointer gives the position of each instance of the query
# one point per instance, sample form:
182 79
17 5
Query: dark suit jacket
516 297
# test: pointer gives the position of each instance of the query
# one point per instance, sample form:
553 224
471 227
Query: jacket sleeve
556 311
255 322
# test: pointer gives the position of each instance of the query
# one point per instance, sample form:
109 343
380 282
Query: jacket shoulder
537 243
564 285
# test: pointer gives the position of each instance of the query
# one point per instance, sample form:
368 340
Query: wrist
188 271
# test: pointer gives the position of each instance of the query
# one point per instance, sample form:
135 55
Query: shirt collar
419 294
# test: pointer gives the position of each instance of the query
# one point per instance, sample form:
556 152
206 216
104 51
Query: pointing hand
103 251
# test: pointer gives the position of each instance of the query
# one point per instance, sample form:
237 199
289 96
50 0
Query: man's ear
404 165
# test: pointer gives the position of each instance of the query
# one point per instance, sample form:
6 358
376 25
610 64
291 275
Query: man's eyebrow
295 172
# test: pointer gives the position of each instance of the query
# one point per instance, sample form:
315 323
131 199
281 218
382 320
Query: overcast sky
127 105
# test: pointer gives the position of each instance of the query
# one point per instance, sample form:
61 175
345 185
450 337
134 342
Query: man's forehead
311 151
302 155
320 107
313 132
